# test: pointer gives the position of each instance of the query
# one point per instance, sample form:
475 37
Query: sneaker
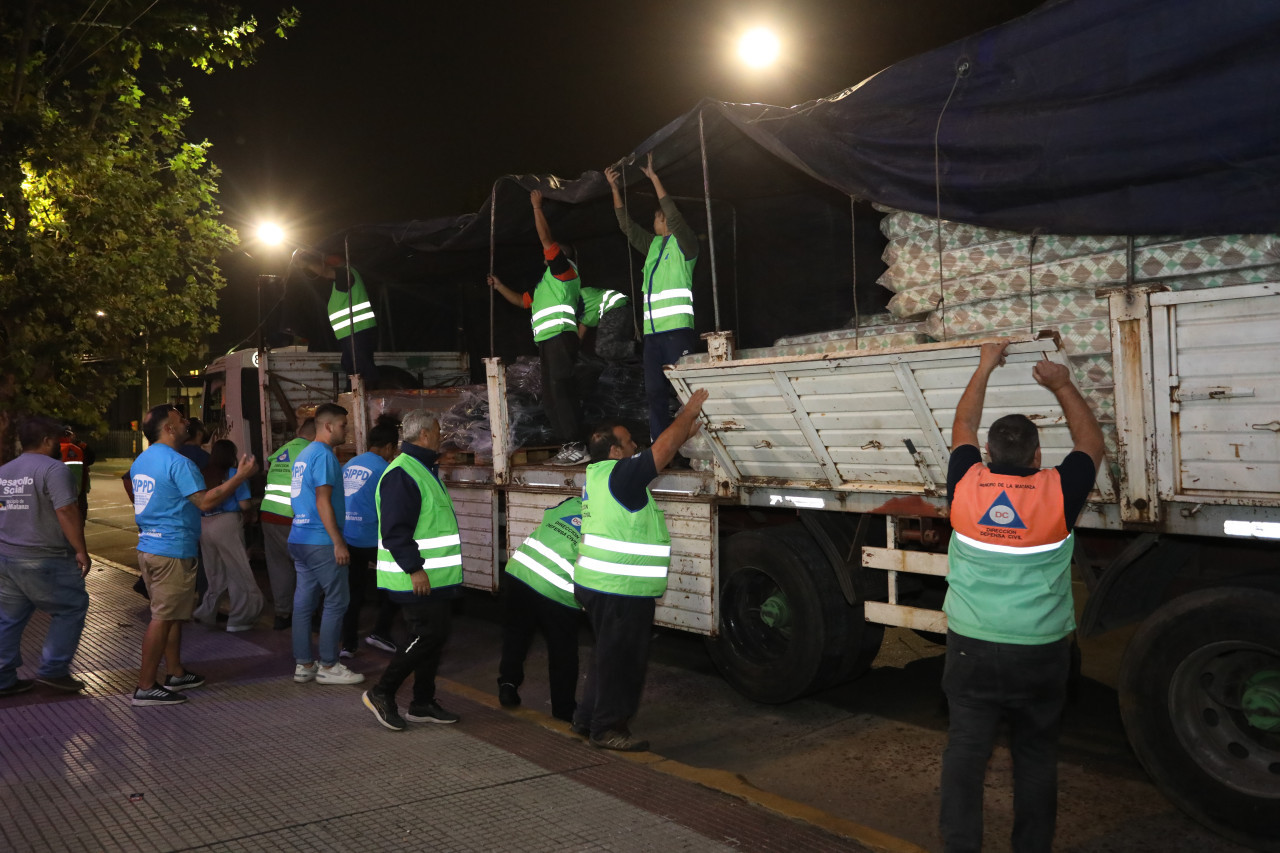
580 729
347 652
282 622
384 708
381 643
63 682
432 713
570 454
338 674
508 696
236 629
183 682
619 741
302 673
22 685
156 695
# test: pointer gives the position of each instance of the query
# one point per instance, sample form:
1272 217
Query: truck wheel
784 629
1200 697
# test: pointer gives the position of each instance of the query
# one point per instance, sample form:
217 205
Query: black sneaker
183 682
580 729
619 741
22 685
508 696
156 695
384 708
63 682
282 622
432 713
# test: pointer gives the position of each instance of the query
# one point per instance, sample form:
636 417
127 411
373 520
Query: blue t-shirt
360 487
168 523
231 504
315 466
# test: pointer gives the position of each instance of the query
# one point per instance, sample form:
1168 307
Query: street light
758 47
270 233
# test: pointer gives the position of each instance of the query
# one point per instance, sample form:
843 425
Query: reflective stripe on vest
544 561
280 478
622 552
555 307
436 532
352 311
668 287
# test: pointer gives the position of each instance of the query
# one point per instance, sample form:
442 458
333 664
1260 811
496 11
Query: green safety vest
668 287
545 559
280 479
622 552
350 312
555 307
596 303
439 542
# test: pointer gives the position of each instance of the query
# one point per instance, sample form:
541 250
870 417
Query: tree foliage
109 229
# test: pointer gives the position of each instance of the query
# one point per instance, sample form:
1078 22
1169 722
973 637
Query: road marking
717 780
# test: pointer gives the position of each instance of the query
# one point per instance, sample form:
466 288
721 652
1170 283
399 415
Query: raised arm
969 410
637 236
685 236
1085 432
540 220
684 427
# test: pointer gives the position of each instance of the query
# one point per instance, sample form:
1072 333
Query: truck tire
785 629
1200 697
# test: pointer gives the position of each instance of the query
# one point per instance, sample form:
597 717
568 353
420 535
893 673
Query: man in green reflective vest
670 254
606 325
622 571
350 315
276 514
420 566
538 592
555 303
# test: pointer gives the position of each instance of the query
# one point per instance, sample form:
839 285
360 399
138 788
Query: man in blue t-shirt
360 486
168 496
319 551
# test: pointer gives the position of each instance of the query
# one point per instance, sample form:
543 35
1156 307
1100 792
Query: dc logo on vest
1002 514
283 457
575 520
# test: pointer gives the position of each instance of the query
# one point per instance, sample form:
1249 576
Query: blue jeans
1027 686
53 585
318 573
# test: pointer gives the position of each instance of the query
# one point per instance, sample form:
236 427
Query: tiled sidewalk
257 762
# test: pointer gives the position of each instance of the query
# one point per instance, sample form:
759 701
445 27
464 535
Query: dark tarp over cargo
1082 117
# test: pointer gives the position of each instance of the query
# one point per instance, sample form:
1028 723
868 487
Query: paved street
255 761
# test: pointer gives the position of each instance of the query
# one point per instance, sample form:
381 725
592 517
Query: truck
1056 180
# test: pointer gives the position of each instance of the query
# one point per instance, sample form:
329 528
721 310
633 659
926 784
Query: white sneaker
338 674
570 454
303 673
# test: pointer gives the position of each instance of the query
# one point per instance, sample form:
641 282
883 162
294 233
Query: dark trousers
359 576
427 617
526 611
1027 686
559 390
662 349
366 343
623 625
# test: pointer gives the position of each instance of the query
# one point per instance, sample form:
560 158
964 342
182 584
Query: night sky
389 111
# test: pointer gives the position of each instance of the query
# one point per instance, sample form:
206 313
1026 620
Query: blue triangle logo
283 457
1002 514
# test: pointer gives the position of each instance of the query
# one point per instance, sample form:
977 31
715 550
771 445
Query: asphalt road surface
868 752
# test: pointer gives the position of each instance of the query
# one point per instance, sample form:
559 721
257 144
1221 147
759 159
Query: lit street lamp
758 47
